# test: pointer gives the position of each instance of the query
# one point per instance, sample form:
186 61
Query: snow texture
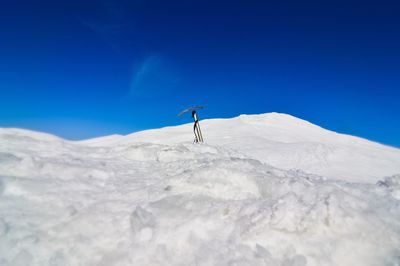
263 190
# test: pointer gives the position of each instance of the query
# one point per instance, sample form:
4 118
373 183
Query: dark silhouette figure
196 128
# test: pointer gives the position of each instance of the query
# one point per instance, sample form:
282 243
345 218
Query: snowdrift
156 198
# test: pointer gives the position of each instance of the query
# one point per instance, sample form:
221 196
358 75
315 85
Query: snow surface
285 142
265 189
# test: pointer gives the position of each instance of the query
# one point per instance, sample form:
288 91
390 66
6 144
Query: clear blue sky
80 69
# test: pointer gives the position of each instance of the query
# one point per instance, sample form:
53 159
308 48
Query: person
196 128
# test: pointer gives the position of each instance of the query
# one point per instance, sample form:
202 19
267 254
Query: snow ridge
285 142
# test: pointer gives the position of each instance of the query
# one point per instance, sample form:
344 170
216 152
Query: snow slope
152 199
285 142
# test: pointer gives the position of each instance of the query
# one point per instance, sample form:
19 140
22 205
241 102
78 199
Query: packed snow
265 189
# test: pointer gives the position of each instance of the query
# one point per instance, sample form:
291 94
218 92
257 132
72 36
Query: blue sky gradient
80 69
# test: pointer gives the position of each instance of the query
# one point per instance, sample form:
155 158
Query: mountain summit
285 142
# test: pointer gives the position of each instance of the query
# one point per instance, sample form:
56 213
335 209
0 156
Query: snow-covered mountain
265 189
285 142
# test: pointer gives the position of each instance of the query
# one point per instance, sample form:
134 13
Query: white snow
265 189
285 142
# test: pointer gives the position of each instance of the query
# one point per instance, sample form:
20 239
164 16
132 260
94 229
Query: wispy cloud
110 24
154 76
104 28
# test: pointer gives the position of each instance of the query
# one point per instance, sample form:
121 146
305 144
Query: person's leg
196 138
199 132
